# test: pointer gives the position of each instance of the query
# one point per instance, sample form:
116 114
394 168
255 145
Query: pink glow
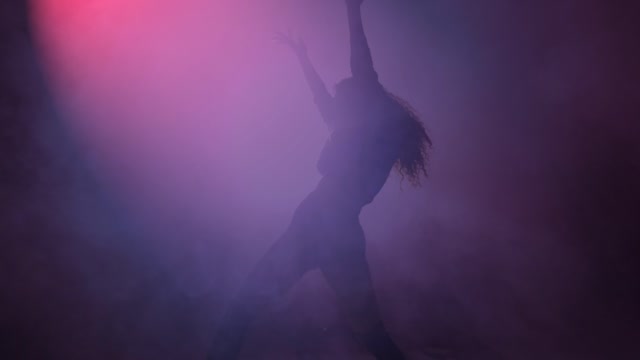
180 100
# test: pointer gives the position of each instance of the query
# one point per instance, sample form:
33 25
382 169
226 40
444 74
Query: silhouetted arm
321 95
361 61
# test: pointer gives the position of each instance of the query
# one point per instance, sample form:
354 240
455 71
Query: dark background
550 138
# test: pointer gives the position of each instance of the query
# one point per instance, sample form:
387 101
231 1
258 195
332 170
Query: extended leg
274 274
348 274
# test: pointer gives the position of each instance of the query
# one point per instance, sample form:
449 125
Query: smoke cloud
155 149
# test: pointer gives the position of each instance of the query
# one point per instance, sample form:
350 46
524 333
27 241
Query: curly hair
414 154
414 149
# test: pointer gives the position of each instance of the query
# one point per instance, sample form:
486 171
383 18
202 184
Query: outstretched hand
296 44
356 3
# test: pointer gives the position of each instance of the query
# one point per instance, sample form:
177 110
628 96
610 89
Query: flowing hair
414 152
413 155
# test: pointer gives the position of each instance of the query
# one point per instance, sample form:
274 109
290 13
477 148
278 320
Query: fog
194 137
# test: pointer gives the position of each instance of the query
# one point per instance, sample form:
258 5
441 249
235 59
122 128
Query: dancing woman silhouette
371 132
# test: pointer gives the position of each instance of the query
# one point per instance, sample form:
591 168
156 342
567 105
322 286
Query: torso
357 159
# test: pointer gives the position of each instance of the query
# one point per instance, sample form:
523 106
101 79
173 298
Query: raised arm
361 61
321 95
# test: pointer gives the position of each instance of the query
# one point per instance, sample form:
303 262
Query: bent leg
275 273
348 274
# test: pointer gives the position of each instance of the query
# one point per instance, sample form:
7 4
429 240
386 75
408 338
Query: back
364 145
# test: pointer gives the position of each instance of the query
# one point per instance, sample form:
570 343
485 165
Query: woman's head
414 148
351 95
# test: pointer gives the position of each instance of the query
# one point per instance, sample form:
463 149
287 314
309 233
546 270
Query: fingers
282 35
289 39
282 39
278 37
354 2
